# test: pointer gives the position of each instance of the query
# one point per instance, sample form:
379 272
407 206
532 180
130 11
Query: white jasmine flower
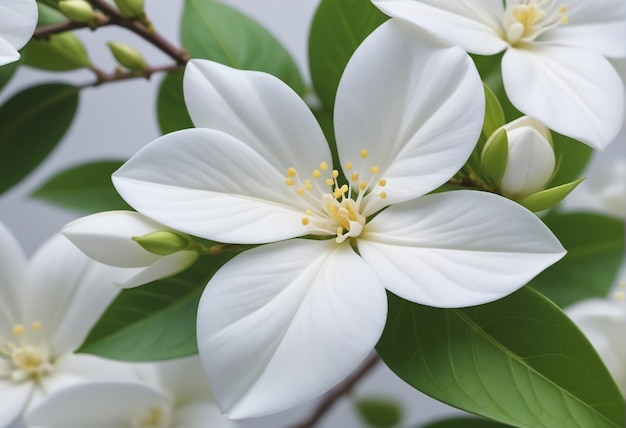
111 238
18 19
284 322
555 67
47 307
174 396
604 321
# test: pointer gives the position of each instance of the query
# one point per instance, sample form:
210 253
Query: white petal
201 415
211 185
257 109
472 24
165 267
69 292
180 378
574 92
416 105
107 237
13 277
283 323
18 19
598 25
14 398
97 405
7 52
457 249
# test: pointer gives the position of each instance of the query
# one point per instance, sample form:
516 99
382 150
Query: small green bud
128 56
162 242
548 198
76 10
60 52
494 156
131 8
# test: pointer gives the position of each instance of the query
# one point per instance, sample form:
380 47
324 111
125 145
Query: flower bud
530 160
76 10
130 8
128 56
162 242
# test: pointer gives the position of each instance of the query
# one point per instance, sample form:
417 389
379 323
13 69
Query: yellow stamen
330 181
348 166
354 176
335 173
382 183
364 153
300 191
308 185
362 185
374 169
19 330
316 173
323 166
305 221
291 172
36 326
383 195
289 181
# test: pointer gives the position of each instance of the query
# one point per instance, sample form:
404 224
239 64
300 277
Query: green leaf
86 188
573 157
171 110
595 251
211 30
156 321
338 28
7 71
32 123
378 412
469 422
519 360
495 156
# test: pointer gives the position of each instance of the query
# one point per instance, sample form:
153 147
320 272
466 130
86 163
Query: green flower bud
130 8
494 156
60 52
77 10
162 242
128 56
548 198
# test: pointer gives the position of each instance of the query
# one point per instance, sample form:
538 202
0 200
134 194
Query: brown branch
339 391
120 75
45 31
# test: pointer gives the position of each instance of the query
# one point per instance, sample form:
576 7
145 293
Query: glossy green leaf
338 28
156 321
215 31
171 110
32 123
519 361
595 250
468 422
378 412
86 188
7 71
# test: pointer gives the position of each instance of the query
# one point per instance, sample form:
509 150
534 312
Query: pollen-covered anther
300 191
364 154
354 176
526 21
316 173
374 169
382 195
324 166
28 359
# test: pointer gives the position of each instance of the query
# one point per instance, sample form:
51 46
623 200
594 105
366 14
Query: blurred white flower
47 308
408 113
18 19
555 65
174 395
112 238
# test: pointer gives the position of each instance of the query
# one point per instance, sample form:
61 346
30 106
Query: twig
119 75
339 391
45 31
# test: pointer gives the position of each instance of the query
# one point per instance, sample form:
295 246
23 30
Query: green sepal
162 242
548 198
494 157
494 115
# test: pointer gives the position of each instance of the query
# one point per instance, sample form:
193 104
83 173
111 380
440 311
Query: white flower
284 322
174 396
47 307
604 322
531 161
555 66
108 238
18 19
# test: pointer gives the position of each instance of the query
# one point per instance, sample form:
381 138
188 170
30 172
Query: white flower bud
531 160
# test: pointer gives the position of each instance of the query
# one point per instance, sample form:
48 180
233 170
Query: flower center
335 209
28 359
154 417
525 22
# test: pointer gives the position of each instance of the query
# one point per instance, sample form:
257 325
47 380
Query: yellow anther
564 20
362 185
308 185
291 172
619 296
323 166
563 9
316 173
383 195
382 183
374 169
289 181
330 181
335 173
36 326
344 188
348 166
364 153
18 330
300 191
305 221
339 230
354 176
309 212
